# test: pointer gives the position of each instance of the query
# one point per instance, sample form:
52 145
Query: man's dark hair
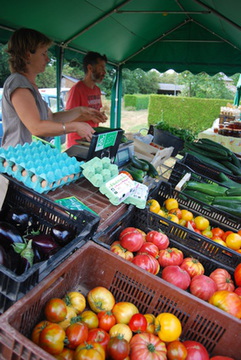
92 58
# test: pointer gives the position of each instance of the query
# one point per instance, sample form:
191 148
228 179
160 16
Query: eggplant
9 235
4 258
62 235
25 256
21 219
44 246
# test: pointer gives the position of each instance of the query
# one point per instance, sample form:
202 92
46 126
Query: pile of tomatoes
201 225
97 327
152 252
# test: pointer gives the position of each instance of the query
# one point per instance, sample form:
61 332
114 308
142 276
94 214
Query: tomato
176 351
182 222
138 323
170 256
51 338
208 233
153 205
76 334
201 222
221 358
55 310
158 238
195 350
106 320
192 266
168 327
131 239
224 236
233 241
173 218
89 350
147 347
162 213
187 215
70 314
227 301
100 336
217 232
100 299
89 318
121 330
123 311
66 354
177 212
37 330
150 318
176 276
190 224
118 348
203 287
238 291
149 248
76 300
237 275
127 173
170 204
116 248
147 262
219 241
223 279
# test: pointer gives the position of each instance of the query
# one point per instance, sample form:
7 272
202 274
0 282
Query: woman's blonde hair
21 42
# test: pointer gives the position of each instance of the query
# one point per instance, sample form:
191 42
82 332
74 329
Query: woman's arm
80 113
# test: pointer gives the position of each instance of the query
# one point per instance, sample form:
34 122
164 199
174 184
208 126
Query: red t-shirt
82 95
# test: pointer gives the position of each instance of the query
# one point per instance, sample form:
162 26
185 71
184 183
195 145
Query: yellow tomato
201 223
162 213
76 300
207 233
168 327
154 205
121 330
170 204
182 222
233 241
150 318
71 313
186 215
173 218
219 241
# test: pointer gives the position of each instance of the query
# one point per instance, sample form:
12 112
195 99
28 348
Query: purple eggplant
9 235
4 258
44 246
21 219
62 235
25 256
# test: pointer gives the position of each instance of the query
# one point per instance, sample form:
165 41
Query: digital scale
105 142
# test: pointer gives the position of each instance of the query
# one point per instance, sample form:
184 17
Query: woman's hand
84 130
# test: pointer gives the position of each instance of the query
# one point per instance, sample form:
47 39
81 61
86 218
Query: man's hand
93 115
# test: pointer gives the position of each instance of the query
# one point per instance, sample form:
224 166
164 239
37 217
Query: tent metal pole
59 67
116 95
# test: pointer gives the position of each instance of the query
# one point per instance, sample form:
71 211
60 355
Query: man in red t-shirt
85 92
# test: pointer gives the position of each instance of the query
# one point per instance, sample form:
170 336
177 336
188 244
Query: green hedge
136 102
184 112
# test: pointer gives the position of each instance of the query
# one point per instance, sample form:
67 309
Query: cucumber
152 172
139 164
137 174
209 189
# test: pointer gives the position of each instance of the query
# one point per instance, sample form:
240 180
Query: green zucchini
137 174
234 191
225 180
230 204
210 162
209 142
152 172
139 164
208 150
210 189
235 170
207 199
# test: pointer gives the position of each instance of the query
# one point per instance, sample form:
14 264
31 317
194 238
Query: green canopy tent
238 93
181 35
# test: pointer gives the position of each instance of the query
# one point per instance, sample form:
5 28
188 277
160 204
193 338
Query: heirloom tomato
177 212
201 222
37 330
149 248
170 256
154 205
176 276
170 204
237 275
51 338
168 327
123 311
172 218
121 330
223 279
147 262
176 351
217 232
89 350
106 320
203 286
233 241
99 335
76 334
66 354
76 300
238 291
100 299
195 350
186 215
70 315
227 301
150 318
116 248
55 310
131 239
158 238
226 233
192 266
118 348
138 323
147 347
89 318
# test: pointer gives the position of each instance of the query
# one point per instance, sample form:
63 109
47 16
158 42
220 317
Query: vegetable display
184 134
140 168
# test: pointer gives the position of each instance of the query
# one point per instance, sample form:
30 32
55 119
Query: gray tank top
14 131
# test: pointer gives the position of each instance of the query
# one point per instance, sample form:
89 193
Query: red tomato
55 310
192 266
237 275
158 238
76 334
66 354
203 287
176 276
51 339
219 357
177 212
100 299
224 236
149 248
176 351
223 279
238 291
100 336
217 232
131 239
116 248
170 256
227 301
106 320
138 323
147 346
195 350
147 262
118 348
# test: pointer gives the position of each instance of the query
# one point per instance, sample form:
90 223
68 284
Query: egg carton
39 166
99 171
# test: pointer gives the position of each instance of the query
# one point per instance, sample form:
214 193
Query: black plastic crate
166 139
210 254
47 213
198 166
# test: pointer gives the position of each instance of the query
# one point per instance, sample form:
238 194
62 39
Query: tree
4 67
